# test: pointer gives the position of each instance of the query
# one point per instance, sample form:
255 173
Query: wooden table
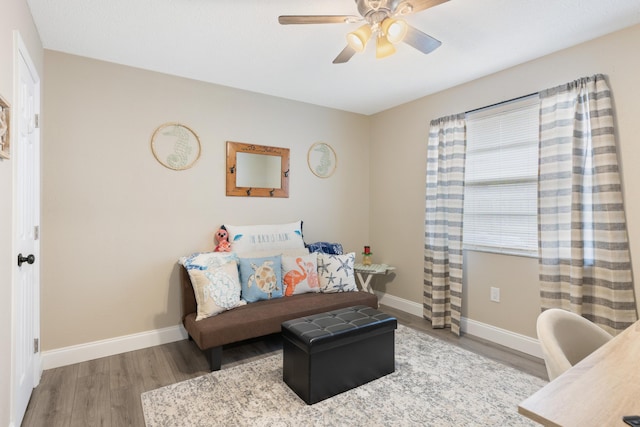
598 391
369 271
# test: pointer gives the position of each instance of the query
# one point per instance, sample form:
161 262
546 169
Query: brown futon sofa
258 318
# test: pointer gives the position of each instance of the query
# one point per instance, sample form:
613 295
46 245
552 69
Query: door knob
28 259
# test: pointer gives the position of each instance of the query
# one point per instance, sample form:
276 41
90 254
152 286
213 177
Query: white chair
567 338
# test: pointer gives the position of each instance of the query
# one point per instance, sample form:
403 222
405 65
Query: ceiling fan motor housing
374 11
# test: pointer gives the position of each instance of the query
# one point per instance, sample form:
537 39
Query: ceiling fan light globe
384 48
394 29
355 42
358 39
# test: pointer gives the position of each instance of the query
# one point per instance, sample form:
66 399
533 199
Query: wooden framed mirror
257 170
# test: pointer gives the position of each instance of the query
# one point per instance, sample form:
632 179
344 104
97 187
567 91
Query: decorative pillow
300 274
261 278
245 238
335 273
214 277
326 248
275 252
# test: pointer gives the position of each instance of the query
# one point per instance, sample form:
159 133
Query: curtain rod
502 102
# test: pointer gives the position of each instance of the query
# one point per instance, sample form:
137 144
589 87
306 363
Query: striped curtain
584 263
443 222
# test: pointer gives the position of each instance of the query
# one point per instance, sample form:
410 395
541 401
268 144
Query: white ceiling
239 43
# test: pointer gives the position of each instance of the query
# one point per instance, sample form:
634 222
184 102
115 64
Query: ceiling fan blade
421 41
345 55
412 6
317 19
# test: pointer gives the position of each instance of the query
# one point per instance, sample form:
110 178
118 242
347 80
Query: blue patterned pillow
325 248
335 273
261 278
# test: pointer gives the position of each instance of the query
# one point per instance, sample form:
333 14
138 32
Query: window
501 175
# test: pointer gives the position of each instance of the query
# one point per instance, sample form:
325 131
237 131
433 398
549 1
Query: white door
26 303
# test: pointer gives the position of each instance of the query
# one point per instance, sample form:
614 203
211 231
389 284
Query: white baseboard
485 331
109 347
509 339
400 304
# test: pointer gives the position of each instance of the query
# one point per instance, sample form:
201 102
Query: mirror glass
257 170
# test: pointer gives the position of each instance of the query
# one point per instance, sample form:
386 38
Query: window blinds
501 173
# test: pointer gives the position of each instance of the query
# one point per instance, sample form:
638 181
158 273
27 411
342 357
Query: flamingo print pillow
335 272
214 277
300 274
261 278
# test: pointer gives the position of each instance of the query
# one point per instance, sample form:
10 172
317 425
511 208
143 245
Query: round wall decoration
175 146
322 159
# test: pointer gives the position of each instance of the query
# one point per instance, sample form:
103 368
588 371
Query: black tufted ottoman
326 354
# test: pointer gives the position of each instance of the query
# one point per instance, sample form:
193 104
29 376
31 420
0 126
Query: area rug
435 384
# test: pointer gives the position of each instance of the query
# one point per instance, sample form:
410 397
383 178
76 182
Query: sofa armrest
188 296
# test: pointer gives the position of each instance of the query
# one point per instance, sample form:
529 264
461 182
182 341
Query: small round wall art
175 146
322 159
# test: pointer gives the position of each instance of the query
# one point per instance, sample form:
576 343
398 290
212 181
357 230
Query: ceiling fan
383 21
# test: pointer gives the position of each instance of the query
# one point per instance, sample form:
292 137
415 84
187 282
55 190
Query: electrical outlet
495 294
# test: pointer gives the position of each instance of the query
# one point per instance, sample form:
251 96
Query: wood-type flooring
106 392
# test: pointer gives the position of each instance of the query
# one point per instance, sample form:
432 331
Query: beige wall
398 161
14 15
115 221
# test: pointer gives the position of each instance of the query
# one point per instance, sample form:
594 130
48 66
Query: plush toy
222 239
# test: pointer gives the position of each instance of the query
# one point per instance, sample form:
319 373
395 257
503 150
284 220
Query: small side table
369 271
